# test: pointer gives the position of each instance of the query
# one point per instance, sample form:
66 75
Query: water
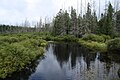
71 62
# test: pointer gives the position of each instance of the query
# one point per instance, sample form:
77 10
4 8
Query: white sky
16 11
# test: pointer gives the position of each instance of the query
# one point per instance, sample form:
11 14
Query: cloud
16 11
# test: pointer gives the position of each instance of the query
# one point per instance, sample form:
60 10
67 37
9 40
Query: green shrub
106 37
3 44
16 51
48 38
12 58
95 46
9 39
66 38
113 44
15 56
93 37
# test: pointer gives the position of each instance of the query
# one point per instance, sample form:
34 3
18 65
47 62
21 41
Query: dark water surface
71 62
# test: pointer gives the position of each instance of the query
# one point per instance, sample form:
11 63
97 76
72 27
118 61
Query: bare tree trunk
81 8
99 10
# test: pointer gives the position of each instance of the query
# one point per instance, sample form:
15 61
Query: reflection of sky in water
85 69
48 69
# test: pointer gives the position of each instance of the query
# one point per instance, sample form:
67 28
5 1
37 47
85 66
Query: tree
118 21
26 24
58 23
73 22
109 20
94 25
101 25
106 23
80 26
89 19
39 25
67 23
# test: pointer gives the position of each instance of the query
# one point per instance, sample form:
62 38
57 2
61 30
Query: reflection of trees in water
65 51
25 73
108 62
115 56
99 65
62 52
79 61
88 57
110 59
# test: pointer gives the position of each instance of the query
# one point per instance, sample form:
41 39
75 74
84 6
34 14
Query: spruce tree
73 22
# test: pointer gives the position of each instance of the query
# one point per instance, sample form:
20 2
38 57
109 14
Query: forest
71 23
88 27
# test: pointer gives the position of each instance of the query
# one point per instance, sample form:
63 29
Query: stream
70 61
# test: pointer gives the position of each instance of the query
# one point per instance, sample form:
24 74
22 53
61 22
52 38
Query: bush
106 37
12 59
16 51
15 56
66 38
113 44
48 38
93 37
95 46
9 39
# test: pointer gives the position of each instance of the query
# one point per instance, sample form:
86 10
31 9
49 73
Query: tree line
15 29
24 28
72 24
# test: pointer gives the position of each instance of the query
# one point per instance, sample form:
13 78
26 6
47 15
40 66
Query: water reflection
73 62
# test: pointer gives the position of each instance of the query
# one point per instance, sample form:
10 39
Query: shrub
3 44
9 39
48 38
14 57
66 38
95 46
106 37
16 51
93 37
113 44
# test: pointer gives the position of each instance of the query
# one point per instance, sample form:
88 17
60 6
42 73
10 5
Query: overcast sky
16 11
